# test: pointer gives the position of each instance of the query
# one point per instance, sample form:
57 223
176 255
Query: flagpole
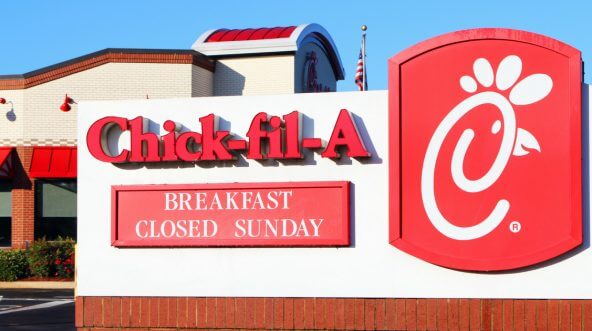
364 83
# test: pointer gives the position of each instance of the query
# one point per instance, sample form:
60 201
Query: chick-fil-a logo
530 90
485 149
268 137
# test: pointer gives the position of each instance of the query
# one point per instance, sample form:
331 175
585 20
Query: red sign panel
262 214
485 148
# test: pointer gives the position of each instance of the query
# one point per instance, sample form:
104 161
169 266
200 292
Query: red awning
53 162
6 169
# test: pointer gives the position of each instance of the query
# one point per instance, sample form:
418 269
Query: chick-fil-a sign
268 137
485 147
246 214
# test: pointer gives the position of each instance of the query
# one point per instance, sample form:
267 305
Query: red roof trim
259 34
216 35
222 35
274 33
287 32
244 34
230 35
53 162
6 168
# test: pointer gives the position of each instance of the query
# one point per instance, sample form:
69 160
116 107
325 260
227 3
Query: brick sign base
173 313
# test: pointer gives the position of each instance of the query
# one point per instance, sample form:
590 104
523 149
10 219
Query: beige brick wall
254 75
202 82
39 120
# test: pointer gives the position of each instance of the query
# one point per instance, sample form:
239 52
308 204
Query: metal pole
364 83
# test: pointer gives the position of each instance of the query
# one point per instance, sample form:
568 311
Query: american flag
359 78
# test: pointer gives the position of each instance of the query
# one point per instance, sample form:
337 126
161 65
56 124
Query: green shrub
40 258
64 258
52 258
13 265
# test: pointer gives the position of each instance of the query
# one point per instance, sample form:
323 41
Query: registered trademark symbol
515 226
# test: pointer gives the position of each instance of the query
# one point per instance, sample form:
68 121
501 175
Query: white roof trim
245 46
262 46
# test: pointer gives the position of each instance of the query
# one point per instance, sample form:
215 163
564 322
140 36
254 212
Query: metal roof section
226 42
223 35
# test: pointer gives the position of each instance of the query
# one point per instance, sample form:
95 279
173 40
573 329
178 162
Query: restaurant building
207 192
38 144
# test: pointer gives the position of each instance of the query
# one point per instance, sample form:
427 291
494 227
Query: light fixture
65 107
10 115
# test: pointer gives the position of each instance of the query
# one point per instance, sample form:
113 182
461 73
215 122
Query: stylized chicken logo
515 141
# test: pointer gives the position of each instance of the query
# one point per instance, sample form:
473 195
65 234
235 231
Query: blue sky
40 33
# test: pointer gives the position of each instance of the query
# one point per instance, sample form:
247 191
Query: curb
37 285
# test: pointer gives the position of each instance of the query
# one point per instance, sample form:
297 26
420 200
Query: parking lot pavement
33 309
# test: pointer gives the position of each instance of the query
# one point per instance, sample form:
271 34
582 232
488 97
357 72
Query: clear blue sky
35 34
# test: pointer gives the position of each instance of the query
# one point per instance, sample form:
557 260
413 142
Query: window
55 209
5 214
